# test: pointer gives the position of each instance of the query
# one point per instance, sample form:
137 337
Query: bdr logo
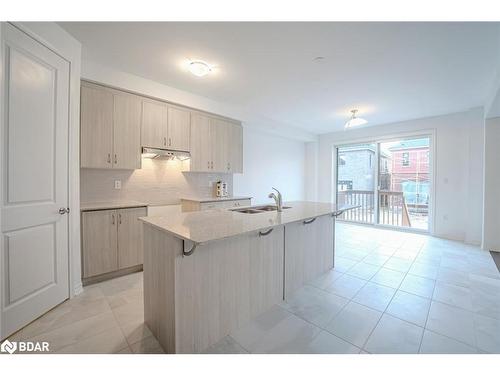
24 346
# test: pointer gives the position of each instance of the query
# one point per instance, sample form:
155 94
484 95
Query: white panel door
35 180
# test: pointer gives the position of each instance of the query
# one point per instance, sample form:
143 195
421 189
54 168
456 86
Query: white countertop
213 199
110 205
204 226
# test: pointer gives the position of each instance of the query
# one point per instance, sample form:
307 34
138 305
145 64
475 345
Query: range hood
160 153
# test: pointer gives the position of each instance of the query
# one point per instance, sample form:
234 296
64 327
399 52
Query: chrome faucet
277 199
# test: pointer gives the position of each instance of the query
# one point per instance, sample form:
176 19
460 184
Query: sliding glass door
389 181
356 174
404 183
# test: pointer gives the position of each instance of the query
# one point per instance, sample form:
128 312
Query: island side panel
160 251
224 284
309 251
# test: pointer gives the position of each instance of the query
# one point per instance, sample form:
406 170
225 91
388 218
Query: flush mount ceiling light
354 121
199 68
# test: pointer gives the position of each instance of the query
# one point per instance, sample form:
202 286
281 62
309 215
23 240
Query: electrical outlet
118 184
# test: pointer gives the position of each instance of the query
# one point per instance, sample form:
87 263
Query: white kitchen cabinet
111 241
201 143
216 145
96 122
110 128
309 249
126 131
130 248
165 126
154 124
179 128
99 242
116 124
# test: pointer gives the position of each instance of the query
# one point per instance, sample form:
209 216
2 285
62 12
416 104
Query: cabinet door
178 128
154 124
130 248
236 149
308 251
127 132
99 240
219 134
96 124
201 143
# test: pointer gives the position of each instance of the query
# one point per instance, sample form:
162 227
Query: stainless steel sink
247 210
257 209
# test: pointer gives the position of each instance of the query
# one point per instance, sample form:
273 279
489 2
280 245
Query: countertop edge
159 227
210 200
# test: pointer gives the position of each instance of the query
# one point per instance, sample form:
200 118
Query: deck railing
392 207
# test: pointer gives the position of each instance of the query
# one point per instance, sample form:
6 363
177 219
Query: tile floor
390 292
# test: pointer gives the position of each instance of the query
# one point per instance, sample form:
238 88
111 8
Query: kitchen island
206 273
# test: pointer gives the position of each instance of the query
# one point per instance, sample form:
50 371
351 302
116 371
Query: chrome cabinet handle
109 158
262 234
63 211
119 218
113 219
116 159
212 165
164 141
208 164
309 221
170 141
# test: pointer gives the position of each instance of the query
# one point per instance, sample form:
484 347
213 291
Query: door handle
63 211
109 158
113 219
164 141
119 218
309 221
116 159
262 234
170 141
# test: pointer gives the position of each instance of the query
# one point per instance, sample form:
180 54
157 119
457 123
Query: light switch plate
118 184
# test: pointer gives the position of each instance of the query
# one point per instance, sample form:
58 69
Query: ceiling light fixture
199 68
354 121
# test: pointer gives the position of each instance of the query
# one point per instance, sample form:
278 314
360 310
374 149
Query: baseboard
77 289
111 275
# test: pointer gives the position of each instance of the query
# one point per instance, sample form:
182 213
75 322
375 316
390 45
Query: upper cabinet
165 126
96 121
115 125
154 124
110 128
179 128
216 145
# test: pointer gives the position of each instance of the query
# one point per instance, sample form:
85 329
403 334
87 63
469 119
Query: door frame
431 133
63 44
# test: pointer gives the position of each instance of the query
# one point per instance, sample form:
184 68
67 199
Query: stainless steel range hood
160 153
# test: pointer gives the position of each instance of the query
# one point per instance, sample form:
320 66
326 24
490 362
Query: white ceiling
389 71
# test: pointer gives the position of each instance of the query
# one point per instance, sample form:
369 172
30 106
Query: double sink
258 209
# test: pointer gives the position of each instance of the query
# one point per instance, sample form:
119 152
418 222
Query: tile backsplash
157 182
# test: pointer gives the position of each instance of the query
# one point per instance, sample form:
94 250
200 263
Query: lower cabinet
309 248
111 240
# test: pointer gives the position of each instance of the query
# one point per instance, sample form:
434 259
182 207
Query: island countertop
210 225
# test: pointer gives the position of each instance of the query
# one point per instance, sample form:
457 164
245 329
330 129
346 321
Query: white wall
270 161
491 229
458 167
